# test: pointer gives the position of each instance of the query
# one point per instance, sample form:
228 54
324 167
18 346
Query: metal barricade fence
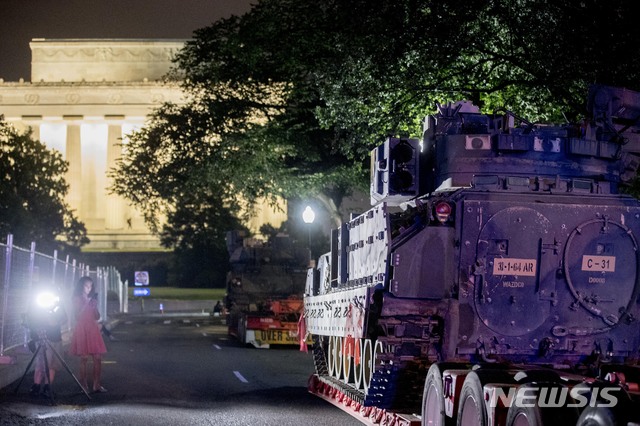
26 272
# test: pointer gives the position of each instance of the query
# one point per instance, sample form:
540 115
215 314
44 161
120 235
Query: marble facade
84 97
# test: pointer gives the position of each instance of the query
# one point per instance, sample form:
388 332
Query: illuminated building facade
84 97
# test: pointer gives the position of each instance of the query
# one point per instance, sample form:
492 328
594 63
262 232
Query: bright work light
47 300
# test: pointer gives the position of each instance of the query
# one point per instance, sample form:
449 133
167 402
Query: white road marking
217 347
240 377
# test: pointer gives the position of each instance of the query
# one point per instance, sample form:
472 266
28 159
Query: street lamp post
308 216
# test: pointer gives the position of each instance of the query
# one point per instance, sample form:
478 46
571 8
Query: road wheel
524 416
358 371
597 416
338 359
531 414
471 409
366 363
331 356
348 351
433 399
378 349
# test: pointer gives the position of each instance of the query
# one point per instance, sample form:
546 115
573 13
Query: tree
196 230
32 191
289 99
255 135
531 57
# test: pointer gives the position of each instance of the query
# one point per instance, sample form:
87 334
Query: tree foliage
289 99
32 192
535 58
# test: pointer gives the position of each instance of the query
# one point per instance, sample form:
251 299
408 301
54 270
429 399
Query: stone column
134 220
74 158
94 152
114 214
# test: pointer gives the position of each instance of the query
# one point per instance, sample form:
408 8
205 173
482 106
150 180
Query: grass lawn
177 293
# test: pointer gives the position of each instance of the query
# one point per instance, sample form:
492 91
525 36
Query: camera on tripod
45 318
44 313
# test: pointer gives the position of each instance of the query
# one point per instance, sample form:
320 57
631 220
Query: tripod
43 345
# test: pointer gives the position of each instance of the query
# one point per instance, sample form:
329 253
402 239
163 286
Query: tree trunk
331 207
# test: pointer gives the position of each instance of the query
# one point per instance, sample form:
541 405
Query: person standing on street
87 339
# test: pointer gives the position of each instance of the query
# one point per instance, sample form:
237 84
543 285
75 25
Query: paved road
172 370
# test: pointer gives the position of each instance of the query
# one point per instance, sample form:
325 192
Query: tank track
319 358
396 383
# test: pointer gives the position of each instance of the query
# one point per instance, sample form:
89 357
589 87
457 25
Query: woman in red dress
86 339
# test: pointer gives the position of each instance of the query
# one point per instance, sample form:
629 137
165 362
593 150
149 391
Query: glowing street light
308 215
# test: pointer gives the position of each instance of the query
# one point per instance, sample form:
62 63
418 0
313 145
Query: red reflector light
443 208
443 211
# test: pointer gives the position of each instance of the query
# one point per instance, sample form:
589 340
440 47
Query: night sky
23 20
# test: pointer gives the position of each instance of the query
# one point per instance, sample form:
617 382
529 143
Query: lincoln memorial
84 97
